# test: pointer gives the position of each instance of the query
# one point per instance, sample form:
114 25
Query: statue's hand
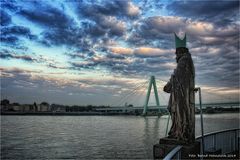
167 87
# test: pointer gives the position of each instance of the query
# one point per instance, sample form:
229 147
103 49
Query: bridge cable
138 94
132 91
130 94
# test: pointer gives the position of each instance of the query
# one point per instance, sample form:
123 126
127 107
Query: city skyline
94 53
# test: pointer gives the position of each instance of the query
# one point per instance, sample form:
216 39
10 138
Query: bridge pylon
152 82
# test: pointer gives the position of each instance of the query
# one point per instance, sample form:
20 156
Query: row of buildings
26 108
42 107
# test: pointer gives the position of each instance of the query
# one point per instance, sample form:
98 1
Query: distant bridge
137 110
146 88
160 109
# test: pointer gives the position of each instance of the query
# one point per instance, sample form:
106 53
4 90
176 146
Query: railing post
214 141
179 154
236 140
201 115
176 152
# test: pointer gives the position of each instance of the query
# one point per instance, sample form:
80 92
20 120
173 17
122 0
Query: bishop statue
182 100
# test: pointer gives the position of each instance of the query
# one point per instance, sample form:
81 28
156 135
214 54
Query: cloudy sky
103 52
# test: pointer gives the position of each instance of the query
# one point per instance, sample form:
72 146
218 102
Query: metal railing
174 154
226 141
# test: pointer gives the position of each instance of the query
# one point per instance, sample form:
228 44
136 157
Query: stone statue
182 100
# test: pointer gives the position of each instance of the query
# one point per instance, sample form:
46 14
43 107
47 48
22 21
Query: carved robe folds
182 100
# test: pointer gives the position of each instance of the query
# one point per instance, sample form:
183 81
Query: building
17 108
44 107
58 108
26 108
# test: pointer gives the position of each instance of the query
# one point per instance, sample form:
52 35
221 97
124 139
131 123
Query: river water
92 137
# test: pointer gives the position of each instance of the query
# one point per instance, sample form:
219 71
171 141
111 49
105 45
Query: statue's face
180 52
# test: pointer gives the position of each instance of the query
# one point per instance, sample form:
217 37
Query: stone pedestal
166 145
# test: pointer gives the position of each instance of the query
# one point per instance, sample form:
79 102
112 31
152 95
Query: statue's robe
182 100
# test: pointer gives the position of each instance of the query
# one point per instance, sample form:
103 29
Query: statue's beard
178 56
181 52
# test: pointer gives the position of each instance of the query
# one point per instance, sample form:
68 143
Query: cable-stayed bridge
149 96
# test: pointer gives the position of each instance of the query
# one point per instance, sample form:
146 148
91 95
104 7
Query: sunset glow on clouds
95 52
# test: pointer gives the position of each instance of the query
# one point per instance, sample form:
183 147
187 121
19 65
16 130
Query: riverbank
63 113
104 113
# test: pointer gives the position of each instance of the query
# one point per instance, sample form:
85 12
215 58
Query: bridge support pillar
152 82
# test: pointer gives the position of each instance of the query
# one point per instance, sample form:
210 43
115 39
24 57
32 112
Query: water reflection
151 132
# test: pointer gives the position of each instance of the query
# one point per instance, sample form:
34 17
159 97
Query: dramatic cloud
103 18
10 5
221 12
23 57
12 35
151 52
80 50
60 28
5 18
121 50
47 15
17 31
37 87
114 8
160 29
141 51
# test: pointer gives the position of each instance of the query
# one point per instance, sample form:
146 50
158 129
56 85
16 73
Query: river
92 137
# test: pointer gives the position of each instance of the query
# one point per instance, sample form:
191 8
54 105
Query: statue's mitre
180 42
